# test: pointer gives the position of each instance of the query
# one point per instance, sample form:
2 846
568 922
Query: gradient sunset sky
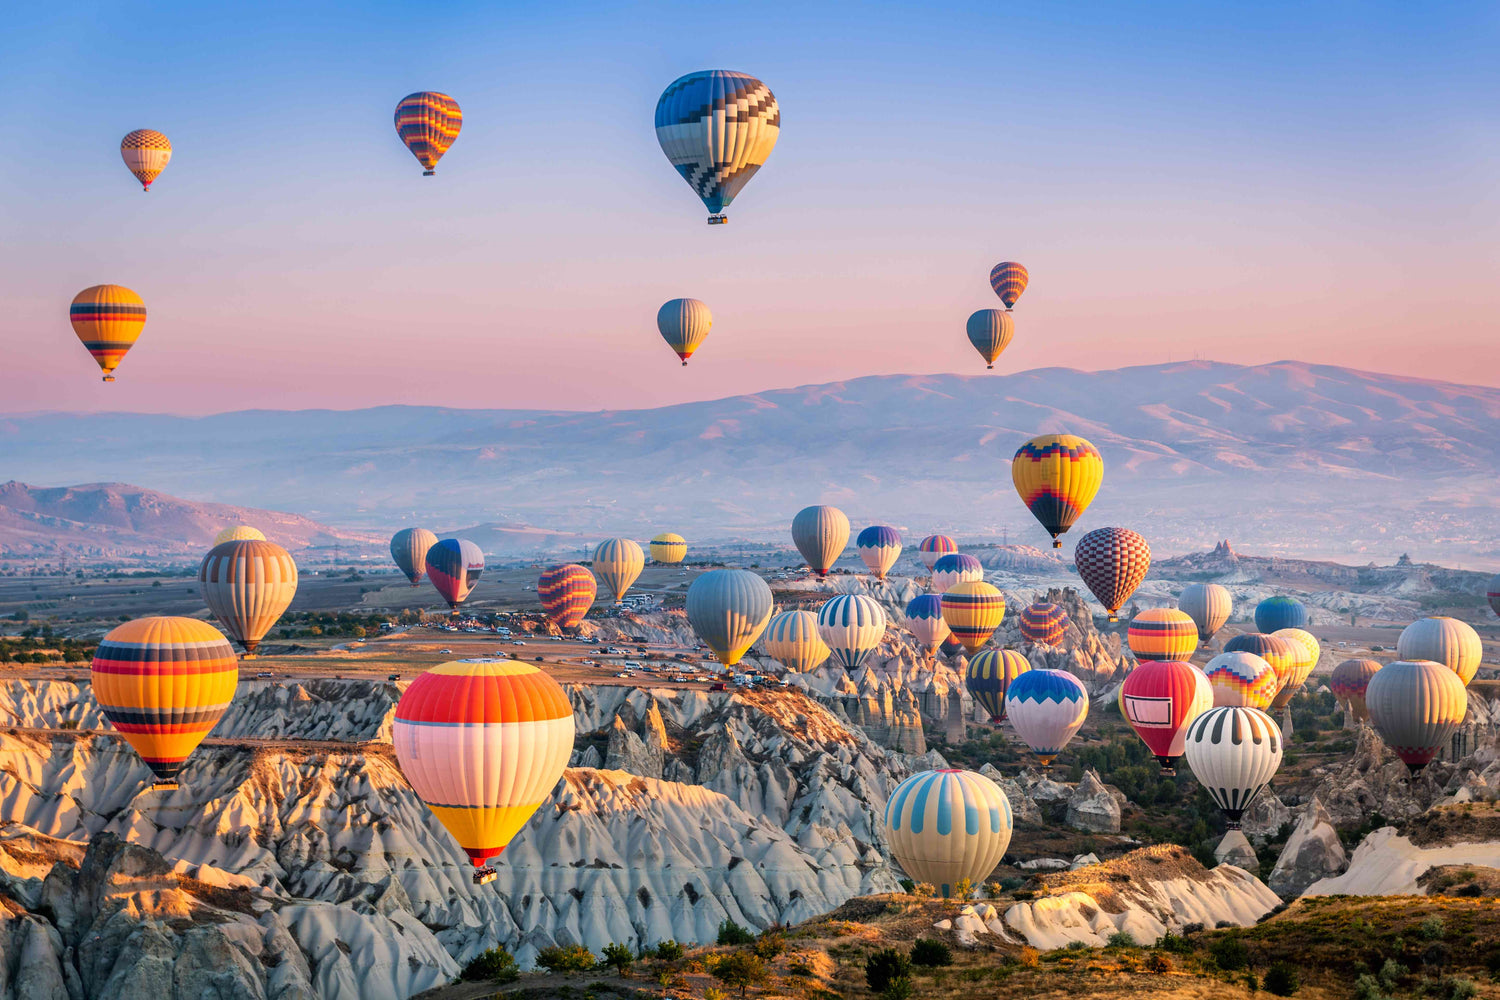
1243 184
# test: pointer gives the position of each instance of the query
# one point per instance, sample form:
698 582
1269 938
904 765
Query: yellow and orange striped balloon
1162 634
428 122
973 610
145 152
107 319
247 585
163 683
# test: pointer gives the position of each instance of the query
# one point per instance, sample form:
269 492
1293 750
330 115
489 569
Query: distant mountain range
1292 458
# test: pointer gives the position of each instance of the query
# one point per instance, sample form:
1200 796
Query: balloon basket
1057 543
428 173
484 876
718 220
108 378
164 786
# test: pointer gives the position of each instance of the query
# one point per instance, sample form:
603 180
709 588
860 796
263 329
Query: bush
731 933
1282 979
1030 957
1158 961
899 988
1230 953
739 969
669 951
619 956
1461 989
963 888
930 952
1367 987
1391 973
770 944
1171 942
885 965
1120 939
573 958
495 965
1431 929
923 890
1251 983
907 886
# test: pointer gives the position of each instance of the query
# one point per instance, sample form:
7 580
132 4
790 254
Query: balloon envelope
1162 634
924 619
107 319
1349 683
1044 622
247 585
1276 613
792 639
934 547
684 323
1275 650
1159 699
163 683
566 592
1242 680
953 569
989 676
668 548
409 548
1112 562
990 331
1046 707
1448 641
454 566
729 608
973 610
1009 280
717 128
428 123
1415 705
1492 593
1057 476
946 826
1208 605
1234 753
239 533
1305 654
820 534
852 625
146 153
879 547
619 562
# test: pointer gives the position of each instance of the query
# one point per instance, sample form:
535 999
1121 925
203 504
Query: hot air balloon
1113 562
1278 652
1305 654
1046 707
948 826
820 534
1492 593
792 640
146 153
684 323
924 619
953 569
1008 279
239 533
1208 605
1057 476
852 625
950 646
1448 641
566 592
453 566
619 561
409 548
668 548
1275 613
1160 699
1415 705
973 610
729 608
1349 682
428 122
247 585
1234 753
879 547
934 547
107 319
717 128
990 331
989 676
1162 634
1044 623
483 743
1242 680
163 683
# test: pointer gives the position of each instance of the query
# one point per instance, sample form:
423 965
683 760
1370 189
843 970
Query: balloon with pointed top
684 323
146 153
1057 476
1009 279
879 547
107 319
409 548
1112 562
991 331
717 128
820 534
428 123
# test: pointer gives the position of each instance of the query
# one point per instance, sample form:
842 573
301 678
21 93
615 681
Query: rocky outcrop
1265 817
1023 809
1235 850
1388 864
1092 808
1313 852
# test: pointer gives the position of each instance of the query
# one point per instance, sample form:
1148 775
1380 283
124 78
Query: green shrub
885 965
1282 979
731 933
899 988
619 956
1460 989
1431 929
1076 946
573 958
1391 973
907 886
669 951
770 944
739 969
930 952
1230 953
1120 939
1367 987
1178 945
495 965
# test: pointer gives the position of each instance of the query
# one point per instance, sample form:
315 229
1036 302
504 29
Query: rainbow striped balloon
107 319
428 122
1349 682
989 677
566 592
483 743
1280 653
1044 623
948 825
934 547
1009 280
1057 476
973 610
163 683
1241 680
1162 634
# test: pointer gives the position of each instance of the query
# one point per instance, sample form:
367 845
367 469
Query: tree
963 888
739 969
899 988
573 958
620 957
885 965
731 933
930 952
495 965
1282 979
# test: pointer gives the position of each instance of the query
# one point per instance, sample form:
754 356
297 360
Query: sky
1236 182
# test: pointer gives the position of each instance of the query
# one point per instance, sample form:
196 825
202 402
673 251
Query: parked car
264 673
446 652
519 642
718 686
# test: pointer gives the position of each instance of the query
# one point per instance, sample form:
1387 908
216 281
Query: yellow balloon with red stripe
1162 634
163 683
973 610
1057 476
483 743
108 320
247 585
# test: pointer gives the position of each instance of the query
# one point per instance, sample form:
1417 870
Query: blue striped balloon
852 625
948 825
924 619
879 547
1276 613
956 567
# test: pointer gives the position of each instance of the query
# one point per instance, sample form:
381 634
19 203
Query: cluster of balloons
991 330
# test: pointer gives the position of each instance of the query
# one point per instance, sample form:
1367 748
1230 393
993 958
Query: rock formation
1313 852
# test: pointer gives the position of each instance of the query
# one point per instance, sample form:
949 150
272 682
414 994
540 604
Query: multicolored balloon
1241 680
1112 562
1278 652
948 826
792 640
163 683
1415 705
483 743
924 619
668 548
934 547
879 547
991 331
1350 681
729 609
248 585
1160 699
1046 707
409 548
820 534
146 153
1044 623
108 319
852 625
684 323
1057 476
1162 634
454 566
1234 753
239 533
567 592
973 610
1276 613
1448 641
953 569
717 128
1008 279
428 122
989 676
1305 655
619 562
1208 605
